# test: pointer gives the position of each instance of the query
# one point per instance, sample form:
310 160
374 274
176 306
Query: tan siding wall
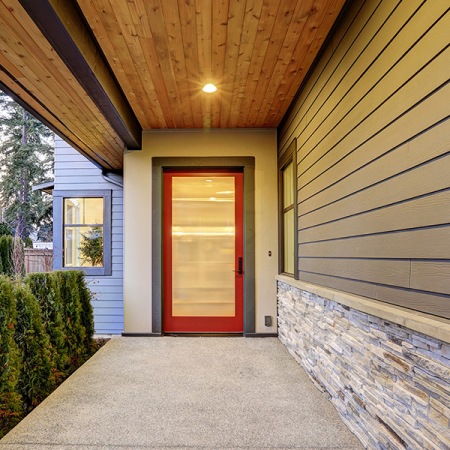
373 137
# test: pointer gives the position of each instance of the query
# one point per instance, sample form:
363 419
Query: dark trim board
289 156
248 166
141 335
260 335
64 27
58 225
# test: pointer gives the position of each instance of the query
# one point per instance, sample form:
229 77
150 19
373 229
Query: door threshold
183 334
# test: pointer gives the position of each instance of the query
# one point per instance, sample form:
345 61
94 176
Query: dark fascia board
66 30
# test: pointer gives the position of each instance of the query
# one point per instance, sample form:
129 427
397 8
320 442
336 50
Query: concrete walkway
185 393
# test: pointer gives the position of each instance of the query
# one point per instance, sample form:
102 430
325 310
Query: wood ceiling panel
266 25
36 75
218 45
247 48
296 19
305 54
236 12
148 59
282 19
190 55
256 51
171 21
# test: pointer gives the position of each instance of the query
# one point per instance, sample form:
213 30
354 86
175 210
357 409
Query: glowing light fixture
209 88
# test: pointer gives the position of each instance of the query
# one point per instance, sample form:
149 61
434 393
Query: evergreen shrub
87 312
46 330
36 379
67 285
44 288
10 362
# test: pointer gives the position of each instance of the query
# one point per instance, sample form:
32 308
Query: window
82 231
288 212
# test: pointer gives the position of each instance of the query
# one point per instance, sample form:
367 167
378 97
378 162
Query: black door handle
240 271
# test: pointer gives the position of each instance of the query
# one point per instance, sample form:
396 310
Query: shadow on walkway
193 393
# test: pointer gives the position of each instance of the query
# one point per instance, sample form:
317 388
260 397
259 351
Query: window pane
288 185
83 246
203 243
83 211
288 266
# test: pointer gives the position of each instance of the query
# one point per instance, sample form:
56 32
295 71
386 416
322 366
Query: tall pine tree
26 159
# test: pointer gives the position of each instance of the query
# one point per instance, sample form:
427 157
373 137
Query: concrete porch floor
185 393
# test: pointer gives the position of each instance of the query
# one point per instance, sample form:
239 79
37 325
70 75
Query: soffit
257 52
142 63
37 76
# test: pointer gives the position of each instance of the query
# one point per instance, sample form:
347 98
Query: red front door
203 261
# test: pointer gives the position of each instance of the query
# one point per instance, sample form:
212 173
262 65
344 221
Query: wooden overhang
100 72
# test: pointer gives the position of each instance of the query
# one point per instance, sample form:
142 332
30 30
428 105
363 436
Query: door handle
240 269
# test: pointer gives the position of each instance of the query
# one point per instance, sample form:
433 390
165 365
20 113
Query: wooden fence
38 260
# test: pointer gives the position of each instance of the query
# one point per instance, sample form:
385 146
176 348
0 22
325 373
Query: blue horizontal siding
108 319
84 172
104 288
108 329
74 172
108 305
107 312
62 165
112 281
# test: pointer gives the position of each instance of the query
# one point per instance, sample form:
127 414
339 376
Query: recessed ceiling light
209 88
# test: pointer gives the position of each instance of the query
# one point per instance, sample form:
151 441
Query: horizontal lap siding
74 172
373 138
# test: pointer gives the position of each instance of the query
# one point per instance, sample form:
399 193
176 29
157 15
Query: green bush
36 379
67 285
46 329
6 244
87 312
10 362
44 288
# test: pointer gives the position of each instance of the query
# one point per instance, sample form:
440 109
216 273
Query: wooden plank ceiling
113 68
39 79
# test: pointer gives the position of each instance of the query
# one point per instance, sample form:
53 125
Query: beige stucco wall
261 144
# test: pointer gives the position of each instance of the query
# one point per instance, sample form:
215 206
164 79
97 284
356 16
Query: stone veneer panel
390 384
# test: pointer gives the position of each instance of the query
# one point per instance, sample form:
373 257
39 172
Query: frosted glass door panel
203 246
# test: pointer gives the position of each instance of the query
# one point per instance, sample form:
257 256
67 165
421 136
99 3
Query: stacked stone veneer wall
390 385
